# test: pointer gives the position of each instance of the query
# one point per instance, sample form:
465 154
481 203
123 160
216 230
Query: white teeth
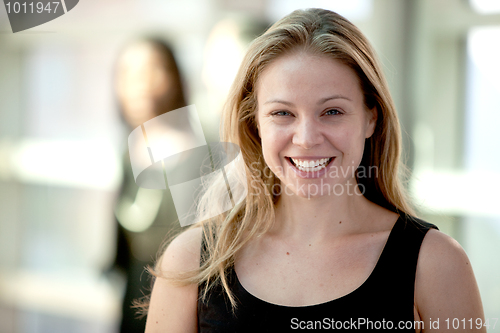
310 165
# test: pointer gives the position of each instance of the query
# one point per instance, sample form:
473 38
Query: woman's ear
372 116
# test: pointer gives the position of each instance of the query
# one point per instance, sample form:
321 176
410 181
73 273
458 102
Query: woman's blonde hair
320 32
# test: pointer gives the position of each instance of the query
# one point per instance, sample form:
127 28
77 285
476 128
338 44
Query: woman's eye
332 112
280 113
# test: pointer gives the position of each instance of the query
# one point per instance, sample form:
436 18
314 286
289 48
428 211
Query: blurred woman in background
147 84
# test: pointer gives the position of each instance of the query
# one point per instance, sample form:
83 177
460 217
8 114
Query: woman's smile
312 167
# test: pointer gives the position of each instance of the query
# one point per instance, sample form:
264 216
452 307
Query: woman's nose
307 134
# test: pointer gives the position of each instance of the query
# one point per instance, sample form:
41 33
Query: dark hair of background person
174 97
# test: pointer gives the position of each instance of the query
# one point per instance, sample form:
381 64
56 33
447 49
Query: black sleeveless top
383 302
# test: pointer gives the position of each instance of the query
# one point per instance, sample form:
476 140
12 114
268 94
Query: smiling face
313 122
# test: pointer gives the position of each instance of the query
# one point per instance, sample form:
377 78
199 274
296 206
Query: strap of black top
398 264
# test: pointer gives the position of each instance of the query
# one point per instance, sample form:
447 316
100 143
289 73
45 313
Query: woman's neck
320 218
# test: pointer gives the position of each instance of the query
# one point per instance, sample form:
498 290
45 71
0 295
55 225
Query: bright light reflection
223 55
486 6
87 164
455 193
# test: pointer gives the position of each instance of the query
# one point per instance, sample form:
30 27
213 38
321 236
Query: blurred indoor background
62 139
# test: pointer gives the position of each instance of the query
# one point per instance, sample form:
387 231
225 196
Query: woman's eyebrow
278 101
321 101
326 99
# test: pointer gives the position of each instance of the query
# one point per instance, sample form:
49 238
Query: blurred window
482 91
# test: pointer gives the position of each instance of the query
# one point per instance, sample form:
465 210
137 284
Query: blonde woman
325 237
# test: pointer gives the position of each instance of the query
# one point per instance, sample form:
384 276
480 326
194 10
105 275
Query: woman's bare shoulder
173 307
183 253
437 240
445 285
442 252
